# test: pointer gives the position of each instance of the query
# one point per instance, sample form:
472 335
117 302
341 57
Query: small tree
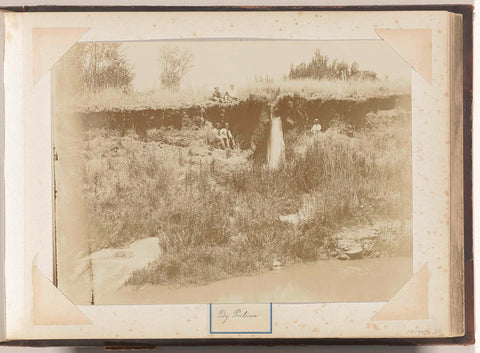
369 75
174 64
319 68
342 70
90 67
354 70
103 66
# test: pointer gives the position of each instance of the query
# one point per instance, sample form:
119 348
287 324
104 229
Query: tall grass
116 99
218 216
326 89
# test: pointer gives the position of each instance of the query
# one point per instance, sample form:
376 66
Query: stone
276 265
355 253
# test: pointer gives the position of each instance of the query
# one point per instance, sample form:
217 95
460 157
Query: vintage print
232 171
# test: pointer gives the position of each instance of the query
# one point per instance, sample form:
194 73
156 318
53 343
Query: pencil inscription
236 314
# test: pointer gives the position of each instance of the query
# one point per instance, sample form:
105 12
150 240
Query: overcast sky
221 63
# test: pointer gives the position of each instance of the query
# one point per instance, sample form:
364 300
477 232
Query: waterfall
276 145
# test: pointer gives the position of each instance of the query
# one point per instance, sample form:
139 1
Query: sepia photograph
232 171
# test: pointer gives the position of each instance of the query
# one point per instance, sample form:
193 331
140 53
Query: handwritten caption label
240 318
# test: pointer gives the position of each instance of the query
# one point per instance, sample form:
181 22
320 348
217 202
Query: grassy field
115 99
217 216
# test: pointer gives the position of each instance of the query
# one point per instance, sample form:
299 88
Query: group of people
217 96
223 136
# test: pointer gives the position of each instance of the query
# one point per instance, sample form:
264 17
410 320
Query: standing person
316 127
202 117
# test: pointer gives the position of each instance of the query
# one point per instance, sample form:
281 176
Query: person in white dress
316 128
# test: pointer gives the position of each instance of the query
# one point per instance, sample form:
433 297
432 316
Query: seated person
227 136
227 98
216 95
219 136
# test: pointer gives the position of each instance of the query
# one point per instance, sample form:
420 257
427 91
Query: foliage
174 64
92 67
319 68
115 99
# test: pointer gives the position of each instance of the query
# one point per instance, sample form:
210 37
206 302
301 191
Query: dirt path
111 267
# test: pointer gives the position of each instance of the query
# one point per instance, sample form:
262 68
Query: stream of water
276 144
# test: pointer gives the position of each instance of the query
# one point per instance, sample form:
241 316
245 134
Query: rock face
249 119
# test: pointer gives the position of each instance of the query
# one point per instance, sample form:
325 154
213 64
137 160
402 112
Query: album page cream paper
228 175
